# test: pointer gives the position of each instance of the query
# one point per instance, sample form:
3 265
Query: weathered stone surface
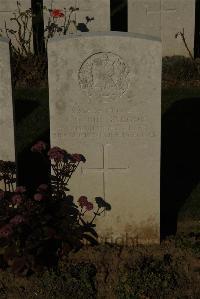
164 18
7 148
99 10
105 94
144 17
10 5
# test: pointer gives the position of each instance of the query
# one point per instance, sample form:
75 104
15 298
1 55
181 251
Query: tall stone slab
105 101
7 8
144 17
99 10
164 18
7 147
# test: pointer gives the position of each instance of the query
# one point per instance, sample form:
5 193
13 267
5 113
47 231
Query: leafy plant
196 61
63 22
21 39
29 66
39 229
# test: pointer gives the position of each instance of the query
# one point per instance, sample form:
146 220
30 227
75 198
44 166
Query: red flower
6 231
2 193
17 220
57 13
38 197
20 189
56 154
16 199
83 201
39 147
89 206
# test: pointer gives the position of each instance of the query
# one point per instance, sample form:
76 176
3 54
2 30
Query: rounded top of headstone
110 34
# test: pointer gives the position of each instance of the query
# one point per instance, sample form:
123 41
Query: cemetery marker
105 97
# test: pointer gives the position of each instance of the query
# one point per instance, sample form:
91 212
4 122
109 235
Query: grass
169 271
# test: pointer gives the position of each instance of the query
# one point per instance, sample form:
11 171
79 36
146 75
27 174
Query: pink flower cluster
56 153
16 199
78 158
20 189
17 220
6 231
83 202
43 188
38 147
38 196
41 193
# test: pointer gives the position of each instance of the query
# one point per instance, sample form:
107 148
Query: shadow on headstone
32 168
23 108
180 160
119 15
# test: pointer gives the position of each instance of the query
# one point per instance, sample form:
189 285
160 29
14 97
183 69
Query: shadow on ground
180 159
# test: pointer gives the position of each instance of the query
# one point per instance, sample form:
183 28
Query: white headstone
164 18
7 147
105 98
99 10
7 8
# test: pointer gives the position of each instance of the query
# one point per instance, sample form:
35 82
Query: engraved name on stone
104 74
118 124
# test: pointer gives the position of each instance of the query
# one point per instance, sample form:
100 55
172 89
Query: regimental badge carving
104 74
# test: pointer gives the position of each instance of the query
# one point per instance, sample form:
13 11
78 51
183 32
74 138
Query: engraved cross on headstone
162 10
105 168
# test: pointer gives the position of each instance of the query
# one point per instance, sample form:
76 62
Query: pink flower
43 187
57 13
38 197
89 206
83 201
17 220
78 158
2 193
6 231
16 199
56 153
20 189
38 147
